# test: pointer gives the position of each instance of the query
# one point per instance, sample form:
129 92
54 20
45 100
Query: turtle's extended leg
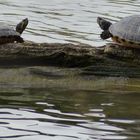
22 25
105 34
104 24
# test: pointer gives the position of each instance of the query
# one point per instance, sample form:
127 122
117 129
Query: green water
59 103
42 102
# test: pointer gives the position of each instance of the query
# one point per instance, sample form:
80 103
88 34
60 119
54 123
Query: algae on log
67 54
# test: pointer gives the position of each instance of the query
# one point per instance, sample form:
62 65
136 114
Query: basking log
67 54
105 60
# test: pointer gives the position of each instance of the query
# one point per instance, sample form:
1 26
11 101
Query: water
65 21
59 103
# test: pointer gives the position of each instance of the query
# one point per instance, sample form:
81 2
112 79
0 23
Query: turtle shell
127 29
8 34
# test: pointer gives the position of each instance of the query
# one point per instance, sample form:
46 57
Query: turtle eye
123 40
131 42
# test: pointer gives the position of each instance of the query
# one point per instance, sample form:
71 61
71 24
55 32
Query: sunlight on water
62 104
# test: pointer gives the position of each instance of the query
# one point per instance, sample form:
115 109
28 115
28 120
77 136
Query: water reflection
46 107
48 113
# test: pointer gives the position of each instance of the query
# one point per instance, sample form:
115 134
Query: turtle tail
104 24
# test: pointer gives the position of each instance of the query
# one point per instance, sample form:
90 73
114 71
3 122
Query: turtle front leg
22 25
104 24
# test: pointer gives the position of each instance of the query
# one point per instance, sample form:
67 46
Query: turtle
125 32
10 35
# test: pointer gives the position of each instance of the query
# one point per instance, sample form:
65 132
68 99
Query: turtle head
105 34
104 24
22 25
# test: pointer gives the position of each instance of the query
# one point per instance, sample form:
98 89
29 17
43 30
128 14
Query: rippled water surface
65 21
39 103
